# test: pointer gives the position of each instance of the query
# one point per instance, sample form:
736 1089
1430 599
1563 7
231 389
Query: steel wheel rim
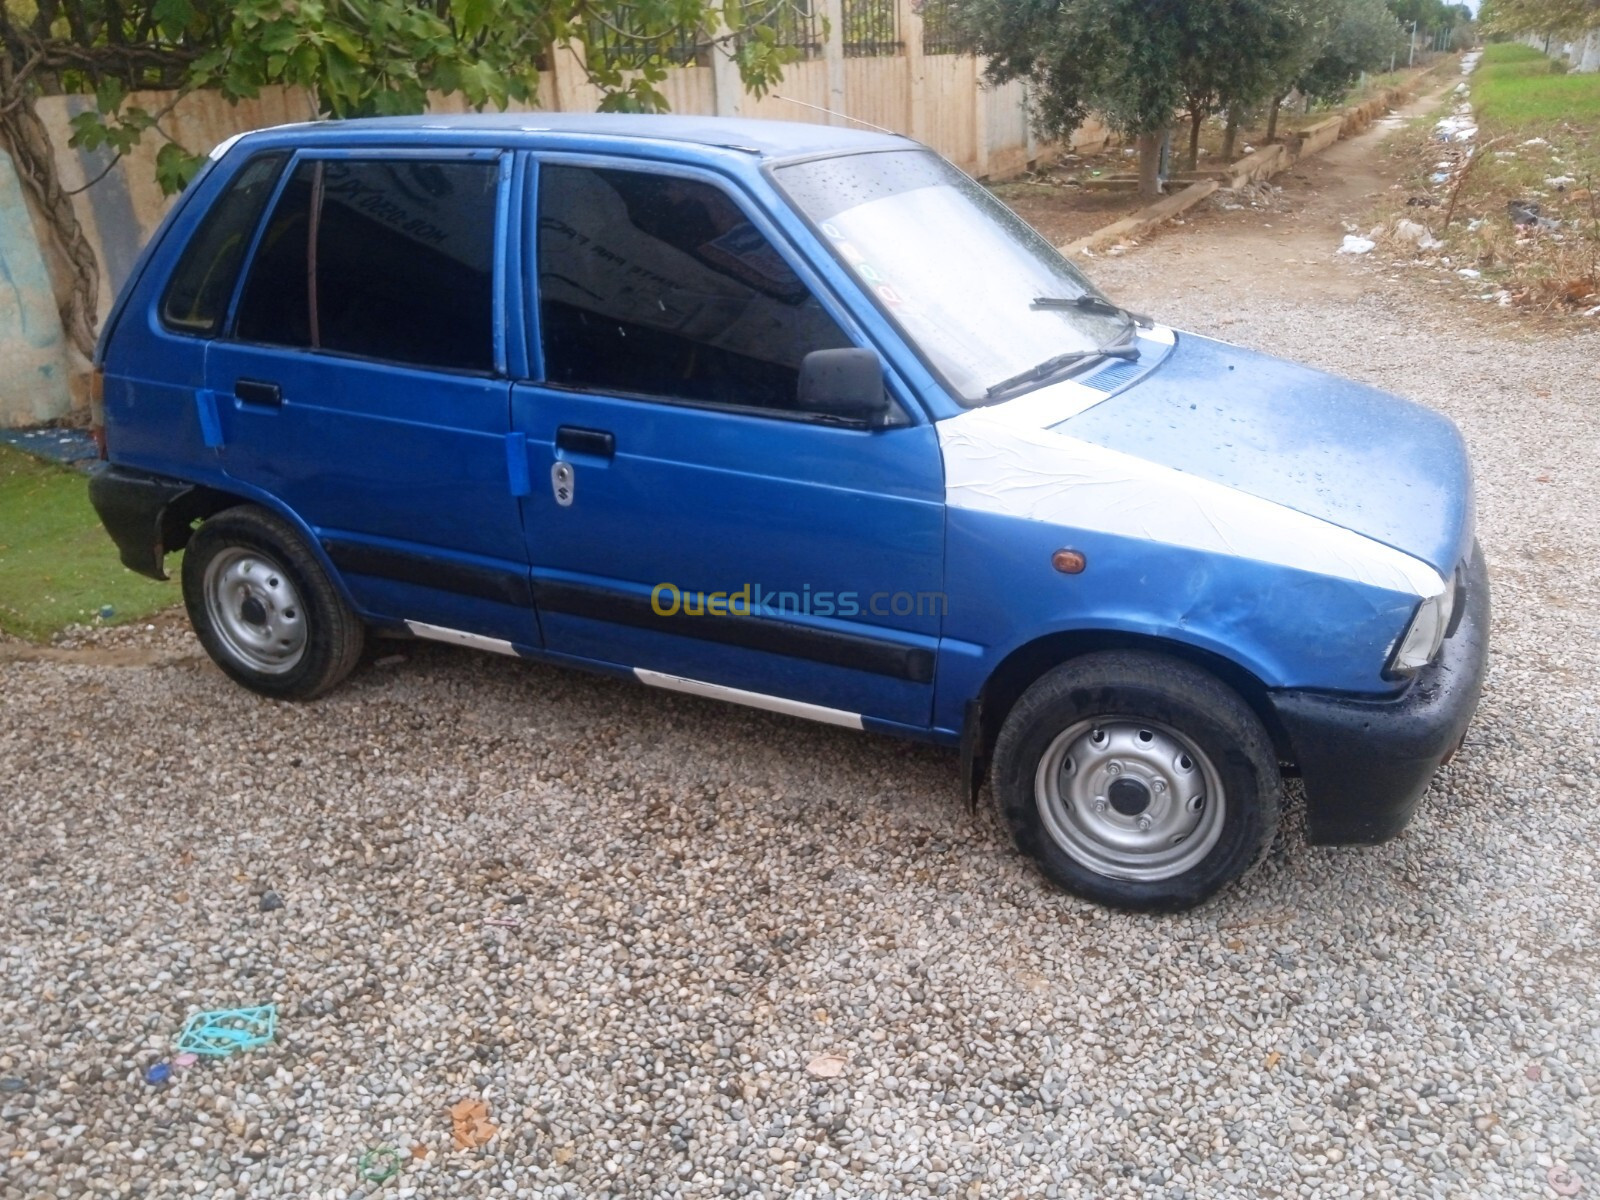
255 610
1130 799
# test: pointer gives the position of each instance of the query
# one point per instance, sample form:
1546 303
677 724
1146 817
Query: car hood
1338 451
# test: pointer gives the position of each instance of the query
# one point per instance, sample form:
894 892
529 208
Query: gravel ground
629 921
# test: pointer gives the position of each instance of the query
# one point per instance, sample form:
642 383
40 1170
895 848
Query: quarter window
384 259
196 299
657 285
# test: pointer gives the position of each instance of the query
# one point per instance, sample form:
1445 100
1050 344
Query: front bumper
1367 762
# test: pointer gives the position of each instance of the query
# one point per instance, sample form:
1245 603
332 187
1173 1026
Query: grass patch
1518 90
1537 150
57 566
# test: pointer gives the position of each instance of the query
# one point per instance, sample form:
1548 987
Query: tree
356 57
1365 36
1228 51
1516 17
1133 61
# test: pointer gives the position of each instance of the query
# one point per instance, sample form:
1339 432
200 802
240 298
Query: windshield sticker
863 268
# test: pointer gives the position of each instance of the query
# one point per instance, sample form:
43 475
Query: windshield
983 297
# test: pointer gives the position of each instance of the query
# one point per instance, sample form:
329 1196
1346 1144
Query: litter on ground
226 1030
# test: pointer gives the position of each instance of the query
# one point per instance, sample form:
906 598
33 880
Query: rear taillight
97 408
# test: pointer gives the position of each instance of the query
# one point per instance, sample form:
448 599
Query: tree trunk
1272 119
1149 165
1197 118
1230 135
24 135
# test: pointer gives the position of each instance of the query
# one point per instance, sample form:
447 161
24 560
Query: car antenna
831 113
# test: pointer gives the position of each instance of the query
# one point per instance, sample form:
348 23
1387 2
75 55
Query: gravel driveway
629 920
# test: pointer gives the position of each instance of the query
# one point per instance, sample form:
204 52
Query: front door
688 519
364 384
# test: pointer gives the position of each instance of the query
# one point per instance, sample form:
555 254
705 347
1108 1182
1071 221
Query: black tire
256 565
1058 818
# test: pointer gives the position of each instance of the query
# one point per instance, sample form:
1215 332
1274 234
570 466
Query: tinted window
655 285
275 307
404 263
197 296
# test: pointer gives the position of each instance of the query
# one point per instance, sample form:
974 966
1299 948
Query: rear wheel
264 608
1137 781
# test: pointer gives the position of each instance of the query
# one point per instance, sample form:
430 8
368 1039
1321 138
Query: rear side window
196 300
385 259
656 285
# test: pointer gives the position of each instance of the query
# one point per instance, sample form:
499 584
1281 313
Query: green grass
1516 90
57 566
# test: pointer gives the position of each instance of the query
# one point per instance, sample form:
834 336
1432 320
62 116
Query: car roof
769 139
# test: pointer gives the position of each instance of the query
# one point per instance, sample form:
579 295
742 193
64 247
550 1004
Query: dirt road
1286 252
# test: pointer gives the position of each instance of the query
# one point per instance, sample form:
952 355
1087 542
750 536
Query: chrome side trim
777 704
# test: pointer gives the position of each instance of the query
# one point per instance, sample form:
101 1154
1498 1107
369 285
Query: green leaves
384 57
175 167
172 17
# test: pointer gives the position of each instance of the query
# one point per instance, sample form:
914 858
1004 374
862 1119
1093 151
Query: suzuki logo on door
561 483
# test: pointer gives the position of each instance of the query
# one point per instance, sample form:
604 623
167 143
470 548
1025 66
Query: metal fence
797 24
871 28
938 33
614 42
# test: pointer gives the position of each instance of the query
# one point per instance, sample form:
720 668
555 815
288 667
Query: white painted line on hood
995 462
777 704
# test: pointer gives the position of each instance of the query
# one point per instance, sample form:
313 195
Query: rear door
364 382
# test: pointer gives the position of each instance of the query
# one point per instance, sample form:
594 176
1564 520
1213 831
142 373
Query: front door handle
258 391
596 442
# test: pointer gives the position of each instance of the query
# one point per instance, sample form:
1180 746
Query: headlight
1425 634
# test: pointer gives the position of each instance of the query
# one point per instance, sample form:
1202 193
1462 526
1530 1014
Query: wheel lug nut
1100 804
1114 769
1144 823
1157 786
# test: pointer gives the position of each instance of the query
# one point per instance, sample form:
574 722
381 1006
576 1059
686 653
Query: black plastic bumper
145 515
1367 762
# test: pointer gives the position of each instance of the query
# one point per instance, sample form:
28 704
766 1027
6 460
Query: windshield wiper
1088 302
1052 366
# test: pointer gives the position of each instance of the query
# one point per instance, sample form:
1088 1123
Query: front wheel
1137 781
263 607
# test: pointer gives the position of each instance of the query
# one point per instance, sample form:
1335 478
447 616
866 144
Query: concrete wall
33 352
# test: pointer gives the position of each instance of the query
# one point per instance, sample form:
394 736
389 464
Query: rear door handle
596 442
258 391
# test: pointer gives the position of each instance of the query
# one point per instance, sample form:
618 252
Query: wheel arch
1023 666
204 501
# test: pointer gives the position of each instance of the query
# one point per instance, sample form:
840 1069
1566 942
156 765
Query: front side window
384 259
196 299
656 285
975 289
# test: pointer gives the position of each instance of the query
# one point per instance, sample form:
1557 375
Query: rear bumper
143 513
1367 762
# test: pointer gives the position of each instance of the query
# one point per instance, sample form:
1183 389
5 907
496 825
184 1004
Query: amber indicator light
1068 562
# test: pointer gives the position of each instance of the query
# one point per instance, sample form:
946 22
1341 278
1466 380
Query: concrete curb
1144 220
1261 165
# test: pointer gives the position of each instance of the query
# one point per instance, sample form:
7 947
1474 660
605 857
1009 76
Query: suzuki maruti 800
801 418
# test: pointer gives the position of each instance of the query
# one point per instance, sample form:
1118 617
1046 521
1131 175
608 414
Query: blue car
800 418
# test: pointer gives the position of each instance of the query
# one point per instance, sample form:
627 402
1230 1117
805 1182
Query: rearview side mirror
844 383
